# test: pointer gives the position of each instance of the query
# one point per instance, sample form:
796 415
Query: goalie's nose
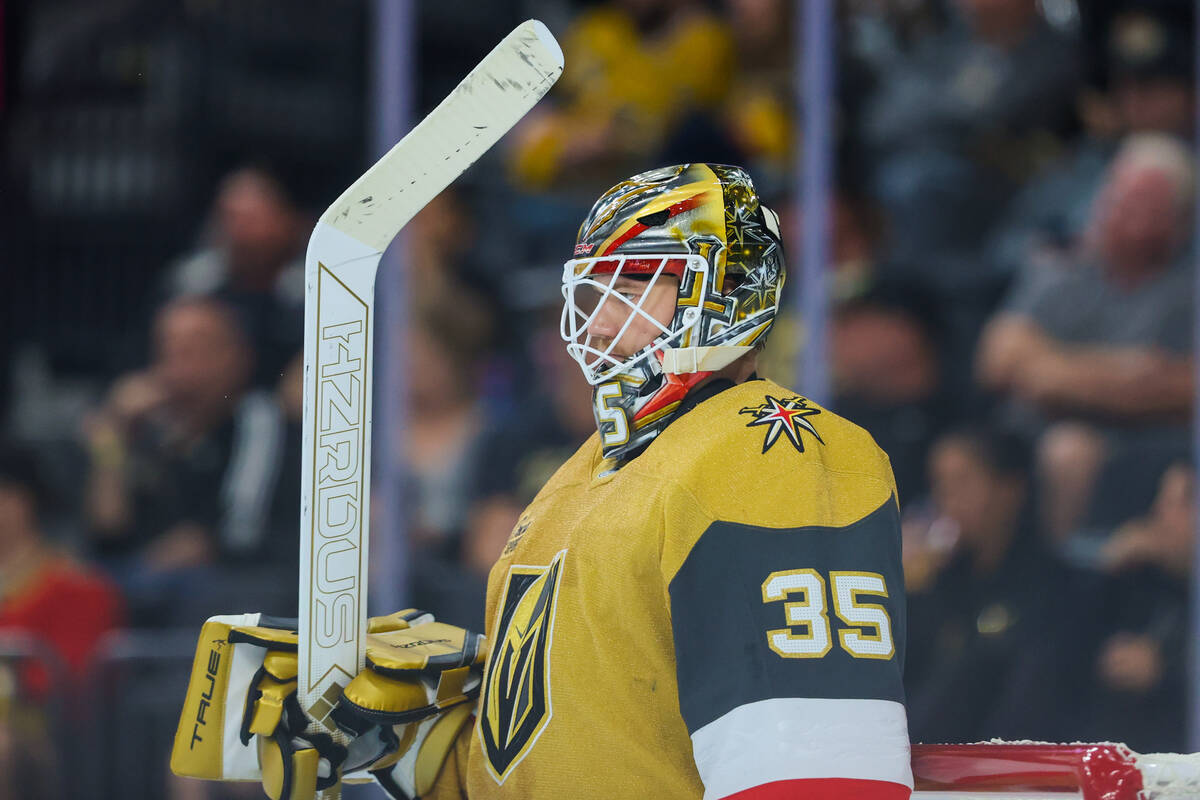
607 320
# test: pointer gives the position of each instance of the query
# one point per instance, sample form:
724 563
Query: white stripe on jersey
792 738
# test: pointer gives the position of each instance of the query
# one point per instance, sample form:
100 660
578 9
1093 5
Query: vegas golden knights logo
516 697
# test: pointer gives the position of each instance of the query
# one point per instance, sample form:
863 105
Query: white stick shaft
335 496
336 473
343 257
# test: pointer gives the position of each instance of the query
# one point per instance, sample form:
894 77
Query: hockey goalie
706 600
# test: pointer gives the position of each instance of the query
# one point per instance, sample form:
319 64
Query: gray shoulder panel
721 620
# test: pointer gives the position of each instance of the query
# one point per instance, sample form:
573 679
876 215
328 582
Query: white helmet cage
708 331
586 295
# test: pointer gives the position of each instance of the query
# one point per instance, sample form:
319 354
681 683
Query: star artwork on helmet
737 219
760 293
788 416
740 224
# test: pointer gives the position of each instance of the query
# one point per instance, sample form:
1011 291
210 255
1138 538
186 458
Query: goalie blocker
241 720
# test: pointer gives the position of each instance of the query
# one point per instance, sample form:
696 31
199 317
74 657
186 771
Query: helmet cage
580 278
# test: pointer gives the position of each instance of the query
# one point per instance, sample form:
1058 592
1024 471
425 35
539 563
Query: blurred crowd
1011 283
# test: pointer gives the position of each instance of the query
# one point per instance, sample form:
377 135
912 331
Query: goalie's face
616 316
647 308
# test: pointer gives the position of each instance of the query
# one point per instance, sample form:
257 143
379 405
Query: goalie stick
343 256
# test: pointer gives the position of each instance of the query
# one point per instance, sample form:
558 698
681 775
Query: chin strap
685 360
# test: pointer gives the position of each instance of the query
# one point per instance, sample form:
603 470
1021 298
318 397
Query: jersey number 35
868 631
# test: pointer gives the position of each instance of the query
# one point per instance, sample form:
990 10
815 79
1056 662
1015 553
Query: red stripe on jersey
824 789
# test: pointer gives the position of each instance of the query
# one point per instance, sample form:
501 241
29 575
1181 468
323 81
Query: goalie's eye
629 288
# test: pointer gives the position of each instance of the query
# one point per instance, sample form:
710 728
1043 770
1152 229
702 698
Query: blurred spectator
520 453
1153 72
29 764
185 461
441 443
638 67
445 421
1103 343
760 102
980 663
853 270
884 30
65 608
886 366
255 265
1151 90
964 114
43 591
440 257
1141 670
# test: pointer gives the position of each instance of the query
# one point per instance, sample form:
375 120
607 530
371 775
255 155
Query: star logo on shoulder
788 416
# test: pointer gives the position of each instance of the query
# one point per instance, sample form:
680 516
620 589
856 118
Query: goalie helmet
701 225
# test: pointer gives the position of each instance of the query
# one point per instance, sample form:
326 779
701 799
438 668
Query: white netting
1173 775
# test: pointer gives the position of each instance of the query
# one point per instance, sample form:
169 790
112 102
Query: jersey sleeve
789 647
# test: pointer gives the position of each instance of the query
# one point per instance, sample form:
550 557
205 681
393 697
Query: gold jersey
643 621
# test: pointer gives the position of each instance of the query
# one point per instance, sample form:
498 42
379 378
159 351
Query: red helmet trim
637 227
640 266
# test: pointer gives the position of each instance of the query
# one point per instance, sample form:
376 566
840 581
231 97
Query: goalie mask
697 227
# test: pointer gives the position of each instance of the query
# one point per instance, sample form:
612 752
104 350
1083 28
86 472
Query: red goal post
1028 770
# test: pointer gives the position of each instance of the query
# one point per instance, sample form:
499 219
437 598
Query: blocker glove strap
413 673
294 763
420 680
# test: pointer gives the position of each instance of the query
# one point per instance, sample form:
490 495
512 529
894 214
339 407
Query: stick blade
493 97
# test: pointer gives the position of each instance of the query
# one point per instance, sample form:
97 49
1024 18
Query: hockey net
1026 770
